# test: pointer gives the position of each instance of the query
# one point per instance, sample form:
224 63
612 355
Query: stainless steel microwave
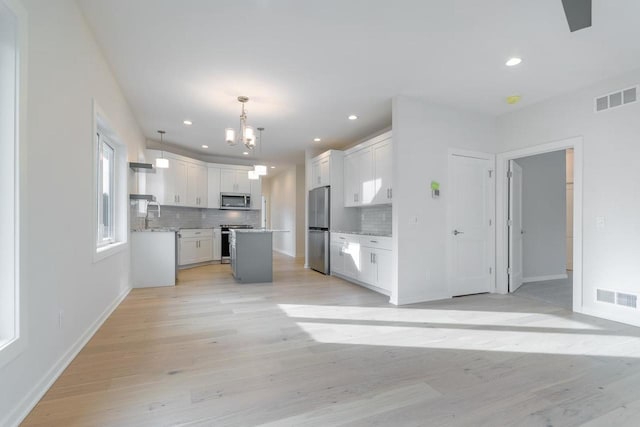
237 201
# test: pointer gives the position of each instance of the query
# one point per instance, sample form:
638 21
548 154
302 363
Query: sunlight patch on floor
460 330
433 315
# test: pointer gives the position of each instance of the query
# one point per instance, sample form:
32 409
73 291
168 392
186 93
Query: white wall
610 176
301 193
422 136
66 70
282 200
544 215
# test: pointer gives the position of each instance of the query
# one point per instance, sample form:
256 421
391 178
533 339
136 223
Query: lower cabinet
196 245
364 259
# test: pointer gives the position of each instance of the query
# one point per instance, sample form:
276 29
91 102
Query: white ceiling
308 64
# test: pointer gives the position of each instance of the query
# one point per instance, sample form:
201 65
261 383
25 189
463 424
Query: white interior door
471 216
515 226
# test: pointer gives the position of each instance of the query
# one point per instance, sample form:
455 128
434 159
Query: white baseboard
32 398
284 253
544 278
418 299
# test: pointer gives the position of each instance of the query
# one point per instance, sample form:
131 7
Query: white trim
25 406
280 251
121 210
13 348
544 278
374 288
492 213
502 214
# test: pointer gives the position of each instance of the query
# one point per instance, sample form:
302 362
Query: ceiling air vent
616 99
606 296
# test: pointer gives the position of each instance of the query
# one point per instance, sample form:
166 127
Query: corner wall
423 133
611 226
66 72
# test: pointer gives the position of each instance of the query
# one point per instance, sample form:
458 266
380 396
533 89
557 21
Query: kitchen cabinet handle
375 259
373 241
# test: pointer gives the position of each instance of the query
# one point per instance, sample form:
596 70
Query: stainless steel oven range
224 241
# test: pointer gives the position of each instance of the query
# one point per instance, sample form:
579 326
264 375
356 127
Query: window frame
102 129
12 346
111 238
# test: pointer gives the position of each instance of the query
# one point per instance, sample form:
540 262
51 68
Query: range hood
147 197
141 167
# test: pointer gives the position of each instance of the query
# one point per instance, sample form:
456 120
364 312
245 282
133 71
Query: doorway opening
539 223
540 227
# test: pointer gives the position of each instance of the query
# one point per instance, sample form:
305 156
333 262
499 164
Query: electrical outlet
204 215
600 222
178 215
60 318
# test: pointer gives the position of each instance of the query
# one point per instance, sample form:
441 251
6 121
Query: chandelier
246 133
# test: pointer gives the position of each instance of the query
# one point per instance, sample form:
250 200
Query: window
11 31
106 191
110 188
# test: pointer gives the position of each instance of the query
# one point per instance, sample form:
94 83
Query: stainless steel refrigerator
319 222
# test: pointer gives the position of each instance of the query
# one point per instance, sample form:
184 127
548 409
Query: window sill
106 251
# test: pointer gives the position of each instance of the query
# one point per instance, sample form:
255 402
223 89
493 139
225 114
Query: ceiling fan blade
578 13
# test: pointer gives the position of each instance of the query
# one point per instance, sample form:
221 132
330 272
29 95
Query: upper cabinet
368 173
234 181
169 185
197 185
213 187
321 171
192 183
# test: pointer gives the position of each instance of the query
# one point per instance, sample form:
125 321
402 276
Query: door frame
502 212
454 152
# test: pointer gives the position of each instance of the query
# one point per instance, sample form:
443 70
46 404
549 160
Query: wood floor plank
311 350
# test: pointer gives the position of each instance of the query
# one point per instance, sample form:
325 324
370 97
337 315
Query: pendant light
161 162
246 132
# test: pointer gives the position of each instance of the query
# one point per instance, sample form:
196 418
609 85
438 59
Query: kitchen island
251 255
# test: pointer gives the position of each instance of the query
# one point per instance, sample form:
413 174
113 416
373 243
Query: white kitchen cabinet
256 194
366 260
321 171
168 185
382 177
368 173
197 194
153 259
213 188
359 183
234 181
217 242
196 246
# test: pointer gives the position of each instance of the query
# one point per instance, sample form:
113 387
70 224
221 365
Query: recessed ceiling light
205 146
317 139
353 117
273 167
188 122
512 62
246 153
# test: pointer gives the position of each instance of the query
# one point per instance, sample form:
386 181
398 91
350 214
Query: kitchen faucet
146 217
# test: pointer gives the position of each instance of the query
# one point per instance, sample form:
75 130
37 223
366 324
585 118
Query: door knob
456 232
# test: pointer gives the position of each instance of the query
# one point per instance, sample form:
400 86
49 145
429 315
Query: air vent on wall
627 300
616 99
618 298
606 296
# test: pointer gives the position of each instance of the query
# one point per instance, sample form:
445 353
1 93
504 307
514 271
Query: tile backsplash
376 219
183 217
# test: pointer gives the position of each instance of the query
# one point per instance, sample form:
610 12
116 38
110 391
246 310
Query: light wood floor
309 350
